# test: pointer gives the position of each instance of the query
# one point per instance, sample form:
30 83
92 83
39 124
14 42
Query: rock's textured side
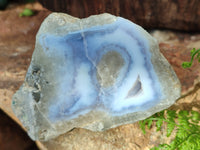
96 73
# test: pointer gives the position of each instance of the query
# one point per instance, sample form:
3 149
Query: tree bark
170 14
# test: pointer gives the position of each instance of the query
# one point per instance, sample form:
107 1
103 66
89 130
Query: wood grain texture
171 14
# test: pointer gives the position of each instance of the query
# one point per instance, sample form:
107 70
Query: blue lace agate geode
95 73
105 67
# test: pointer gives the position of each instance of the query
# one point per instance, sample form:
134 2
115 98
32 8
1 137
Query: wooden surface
170 14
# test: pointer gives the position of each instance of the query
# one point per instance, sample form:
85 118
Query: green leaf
181 134
193 52
195 116
154 148
183 113
161 114
186 65
198 55
171 114
188 129
150 122
142 126
26 12
170 128
159 125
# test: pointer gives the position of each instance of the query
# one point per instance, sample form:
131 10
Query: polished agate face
102 74
106 68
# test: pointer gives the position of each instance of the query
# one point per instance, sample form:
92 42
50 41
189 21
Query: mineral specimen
95 73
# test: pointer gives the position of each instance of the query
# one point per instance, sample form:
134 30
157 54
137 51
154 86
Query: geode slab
95 73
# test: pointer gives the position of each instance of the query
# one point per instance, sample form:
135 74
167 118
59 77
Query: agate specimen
95 73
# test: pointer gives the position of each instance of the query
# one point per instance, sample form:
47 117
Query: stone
95 73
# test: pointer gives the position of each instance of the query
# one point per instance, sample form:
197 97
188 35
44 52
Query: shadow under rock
12 136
